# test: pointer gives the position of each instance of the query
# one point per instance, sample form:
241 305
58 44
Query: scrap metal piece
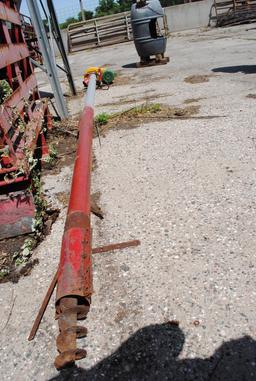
96 210
43 307
115 246
17 212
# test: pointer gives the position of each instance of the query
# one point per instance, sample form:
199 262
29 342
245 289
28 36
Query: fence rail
100 31
234 12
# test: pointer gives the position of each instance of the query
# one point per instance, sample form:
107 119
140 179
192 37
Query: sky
65 8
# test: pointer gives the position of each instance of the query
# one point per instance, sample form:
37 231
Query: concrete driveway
182 305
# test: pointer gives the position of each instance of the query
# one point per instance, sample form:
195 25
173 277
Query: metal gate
235 12
100 31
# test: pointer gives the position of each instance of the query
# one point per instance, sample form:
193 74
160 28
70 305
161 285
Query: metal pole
47 57
74 288
18 3
59 41
82 9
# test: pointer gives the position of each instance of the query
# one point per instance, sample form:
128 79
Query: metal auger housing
74 282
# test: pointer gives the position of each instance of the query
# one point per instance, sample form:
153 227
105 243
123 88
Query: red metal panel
9 14
21 118
17 213
17 180
17 99
12 53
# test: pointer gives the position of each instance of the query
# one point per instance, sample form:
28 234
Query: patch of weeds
102 119
5 91
145 113
16 253
155 107
3 273
5 151
52 157
62 140
145 108
22 257
40 203
16 257
20 124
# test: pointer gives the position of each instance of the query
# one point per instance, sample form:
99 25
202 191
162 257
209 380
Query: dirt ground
176 170
197 79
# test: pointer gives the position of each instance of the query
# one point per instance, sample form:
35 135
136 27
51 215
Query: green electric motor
108 76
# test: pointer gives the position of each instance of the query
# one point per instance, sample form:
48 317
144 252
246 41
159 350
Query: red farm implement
23 118
31 38
73 277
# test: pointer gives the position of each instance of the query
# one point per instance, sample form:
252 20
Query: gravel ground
182 305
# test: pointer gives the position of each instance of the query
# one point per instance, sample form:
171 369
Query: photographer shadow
151 354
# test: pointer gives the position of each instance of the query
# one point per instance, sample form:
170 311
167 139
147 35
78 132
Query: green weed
102 118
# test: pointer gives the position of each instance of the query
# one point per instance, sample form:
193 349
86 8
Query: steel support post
47 57
59 42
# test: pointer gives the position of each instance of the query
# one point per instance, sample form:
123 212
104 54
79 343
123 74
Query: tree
87 15
70 20
107 7
125 5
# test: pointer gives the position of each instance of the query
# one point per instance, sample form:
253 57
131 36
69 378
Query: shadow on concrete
151 354
130 66
245 69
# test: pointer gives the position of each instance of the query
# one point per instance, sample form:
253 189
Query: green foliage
5 151
20 124
70 20
25 253
51 158
40 203
146 107
102 118
107 7
5 90
124 5
155 107
3 273
88 15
